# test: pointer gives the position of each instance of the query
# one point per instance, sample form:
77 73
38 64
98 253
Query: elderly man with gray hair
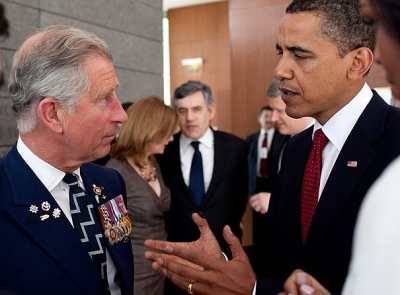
64 222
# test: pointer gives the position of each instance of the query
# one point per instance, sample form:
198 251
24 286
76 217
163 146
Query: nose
119 114
171 138
275 116
190 115
283 69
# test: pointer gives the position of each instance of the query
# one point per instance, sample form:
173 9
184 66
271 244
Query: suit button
201 213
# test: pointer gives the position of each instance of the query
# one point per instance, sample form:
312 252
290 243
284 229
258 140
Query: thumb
202 224
234 243
200 221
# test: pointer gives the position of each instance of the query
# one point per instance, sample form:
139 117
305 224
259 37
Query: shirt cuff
226 257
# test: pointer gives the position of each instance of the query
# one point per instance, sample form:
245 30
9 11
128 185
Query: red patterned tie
311 180
263 161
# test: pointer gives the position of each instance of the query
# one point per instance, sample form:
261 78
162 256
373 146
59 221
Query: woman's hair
149 121
388 15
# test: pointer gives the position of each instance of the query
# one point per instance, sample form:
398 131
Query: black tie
196 178
86 224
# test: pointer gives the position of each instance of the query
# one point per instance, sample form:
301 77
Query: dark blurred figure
263 155
4 26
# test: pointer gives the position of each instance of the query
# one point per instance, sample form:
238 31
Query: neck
52 153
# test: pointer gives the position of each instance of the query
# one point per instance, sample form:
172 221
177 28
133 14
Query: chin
396 92
284 131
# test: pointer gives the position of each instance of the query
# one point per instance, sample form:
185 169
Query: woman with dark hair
375 265
386 16
147 131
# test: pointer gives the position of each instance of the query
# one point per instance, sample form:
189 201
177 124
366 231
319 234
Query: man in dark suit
287 127
224 169
62 85
256 153
326 52
260 184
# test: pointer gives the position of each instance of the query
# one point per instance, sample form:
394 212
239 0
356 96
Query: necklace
148 176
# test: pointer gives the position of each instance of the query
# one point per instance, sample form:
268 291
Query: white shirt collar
269 131
338 128
47 174
207 139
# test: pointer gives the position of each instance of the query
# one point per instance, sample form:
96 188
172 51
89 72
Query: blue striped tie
86 224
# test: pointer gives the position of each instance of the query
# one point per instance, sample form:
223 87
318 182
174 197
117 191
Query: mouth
111 136
287 93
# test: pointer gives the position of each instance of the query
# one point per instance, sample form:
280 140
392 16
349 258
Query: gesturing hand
201 266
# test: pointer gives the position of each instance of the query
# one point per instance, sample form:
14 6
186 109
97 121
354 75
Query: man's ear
51 114
211 109
362 59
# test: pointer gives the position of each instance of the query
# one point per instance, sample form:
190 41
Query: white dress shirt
206 148
338 128
51 178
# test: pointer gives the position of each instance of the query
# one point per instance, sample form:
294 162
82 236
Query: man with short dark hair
326 50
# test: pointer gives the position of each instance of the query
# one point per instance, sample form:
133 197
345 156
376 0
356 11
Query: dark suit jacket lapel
289 200
253 149
174 165
252 157
221 156
343 179
46 233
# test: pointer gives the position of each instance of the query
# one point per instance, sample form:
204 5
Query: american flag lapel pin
352 164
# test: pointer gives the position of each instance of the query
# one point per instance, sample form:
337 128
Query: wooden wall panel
202 31
253 31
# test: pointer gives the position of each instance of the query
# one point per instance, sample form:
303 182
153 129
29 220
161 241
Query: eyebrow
294 48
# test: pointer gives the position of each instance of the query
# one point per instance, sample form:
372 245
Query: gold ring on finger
190 287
